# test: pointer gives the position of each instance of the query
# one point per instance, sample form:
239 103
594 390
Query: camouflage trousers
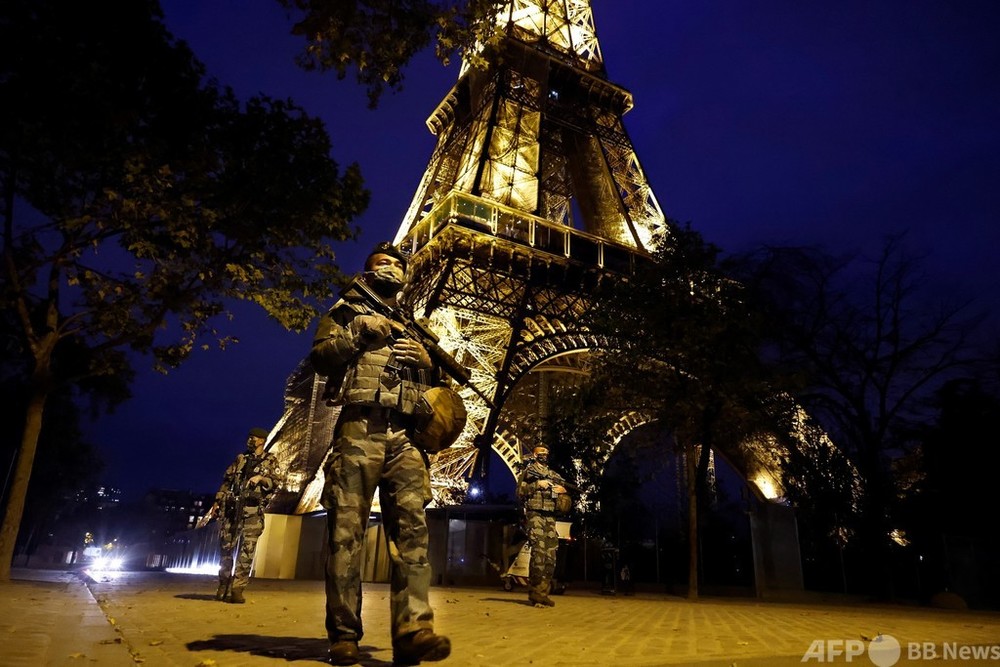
229 541
544 541
371 451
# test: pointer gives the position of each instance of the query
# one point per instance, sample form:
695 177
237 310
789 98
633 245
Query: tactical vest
369 377
533 497
235 489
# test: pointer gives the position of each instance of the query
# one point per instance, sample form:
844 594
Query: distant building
71 528
162 518
101 497
175 511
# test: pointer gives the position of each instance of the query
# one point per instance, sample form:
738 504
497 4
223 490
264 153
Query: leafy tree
585 413
65 465
872 348
138 197
377 38
823 486
689 341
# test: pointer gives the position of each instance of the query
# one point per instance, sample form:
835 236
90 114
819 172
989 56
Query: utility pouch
439 418
564 504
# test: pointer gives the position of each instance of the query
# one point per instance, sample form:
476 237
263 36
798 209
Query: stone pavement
161 619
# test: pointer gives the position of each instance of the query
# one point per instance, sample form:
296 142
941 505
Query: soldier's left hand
412 353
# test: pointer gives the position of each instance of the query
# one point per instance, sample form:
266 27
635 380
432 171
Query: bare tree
873 342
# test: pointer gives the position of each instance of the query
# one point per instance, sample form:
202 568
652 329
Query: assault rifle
417 329
533 473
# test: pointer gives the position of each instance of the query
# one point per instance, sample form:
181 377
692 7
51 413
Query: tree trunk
22 473
692 490
877 523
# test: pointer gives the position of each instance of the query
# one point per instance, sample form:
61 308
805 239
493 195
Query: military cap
386 248
260 433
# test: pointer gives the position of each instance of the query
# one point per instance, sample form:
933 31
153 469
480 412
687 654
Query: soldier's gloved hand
412 353
559 489
371 328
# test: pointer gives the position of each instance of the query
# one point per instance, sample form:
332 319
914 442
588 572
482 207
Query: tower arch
532 196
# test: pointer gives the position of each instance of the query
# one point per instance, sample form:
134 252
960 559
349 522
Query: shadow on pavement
196 596
508 601
289 648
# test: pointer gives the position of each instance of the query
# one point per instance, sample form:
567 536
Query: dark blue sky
779 122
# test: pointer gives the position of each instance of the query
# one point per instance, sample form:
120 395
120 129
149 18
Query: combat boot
539 595
420 646
546 588
220 592
343 652
236 596
541 600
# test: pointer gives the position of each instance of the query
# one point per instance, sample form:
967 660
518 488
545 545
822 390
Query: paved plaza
160 619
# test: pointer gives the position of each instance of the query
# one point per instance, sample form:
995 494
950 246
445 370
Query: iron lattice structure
532 196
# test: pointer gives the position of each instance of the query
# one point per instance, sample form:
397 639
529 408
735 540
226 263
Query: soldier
247 486
537 488
378 377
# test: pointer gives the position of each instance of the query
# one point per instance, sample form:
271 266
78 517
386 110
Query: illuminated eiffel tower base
533 195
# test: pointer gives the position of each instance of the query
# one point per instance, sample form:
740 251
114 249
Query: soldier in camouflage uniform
378 378
537 487
247 486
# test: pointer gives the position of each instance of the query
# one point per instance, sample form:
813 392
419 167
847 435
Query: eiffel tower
532 196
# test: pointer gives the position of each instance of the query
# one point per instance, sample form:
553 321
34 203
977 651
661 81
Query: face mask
387 279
